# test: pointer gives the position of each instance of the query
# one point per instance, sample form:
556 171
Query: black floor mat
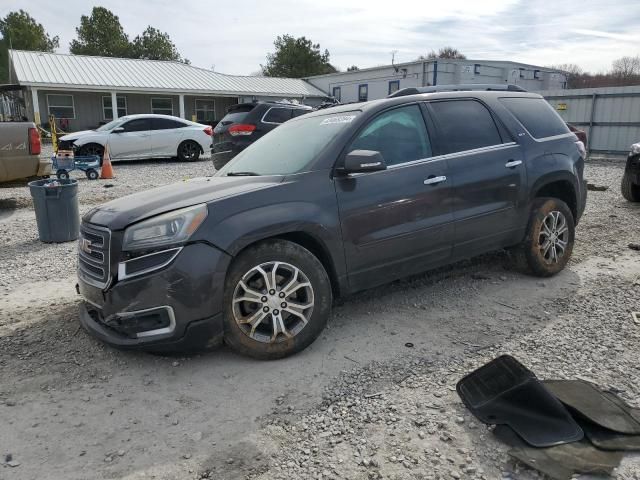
505 392
603 409
560 462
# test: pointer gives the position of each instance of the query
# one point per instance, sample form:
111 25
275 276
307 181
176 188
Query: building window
521 72
476 69
205 110
536 74
394 86
363 92
61 106
107 112
337 93
162 106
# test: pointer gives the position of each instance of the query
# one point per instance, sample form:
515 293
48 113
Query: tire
530 255
92 174
312 296
91 149
62 174
630 191
188 151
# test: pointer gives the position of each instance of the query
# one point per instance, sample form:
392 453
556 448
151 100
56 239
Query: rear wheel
62 174
277 300
188 151
629 189
548 244
92 174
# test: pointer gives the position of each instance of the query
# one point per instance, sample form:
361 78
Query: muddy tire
549 240
91 149
630 191
277 300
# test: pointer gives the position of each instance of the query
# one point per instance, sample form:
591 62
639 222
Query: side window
137 125
464 125
277 115
298 111
165 124
536 115
399 135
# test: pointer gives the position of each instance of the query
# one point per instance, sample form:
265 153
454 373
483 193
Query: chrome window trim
284 108
122 266
447 156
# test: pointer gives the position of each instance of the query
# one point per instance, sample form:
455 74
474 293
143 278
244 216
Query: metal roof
55 70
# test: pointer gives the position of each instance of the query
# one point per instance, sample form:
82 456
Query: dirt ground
72 408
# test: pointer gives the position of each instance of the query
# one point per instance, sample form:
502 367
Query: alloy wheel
273 302
554 237
188 150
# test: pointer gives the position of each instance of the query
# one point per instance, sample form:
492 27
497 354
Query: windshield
111 125
289 148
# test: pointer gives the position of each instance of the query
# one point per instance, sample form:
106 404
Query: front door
396 221
487 170
133 141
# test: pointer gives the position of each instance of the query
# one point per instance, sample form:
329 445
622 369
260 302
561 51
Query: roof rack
462 87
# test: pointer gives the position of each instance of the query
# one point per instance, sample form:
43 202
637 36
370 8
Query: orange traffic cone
106 172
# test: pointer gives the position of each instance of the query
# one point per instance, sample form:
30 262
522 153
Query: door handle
434 180
513 163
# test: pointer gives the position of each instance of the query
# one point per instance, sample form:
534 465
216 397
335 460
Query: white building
378 82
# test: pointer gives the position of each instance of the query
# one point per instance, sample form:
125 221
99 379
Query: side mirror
118 130
362 161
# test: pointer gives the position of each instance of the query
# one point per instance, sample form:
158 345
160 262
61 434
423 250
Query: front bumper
178 307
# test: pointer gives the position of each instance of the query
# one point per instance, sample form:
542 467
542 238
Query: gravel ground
73 408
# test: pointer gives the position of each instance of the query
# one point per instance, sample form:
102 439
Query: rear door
133 142
166 134
396 221
487 172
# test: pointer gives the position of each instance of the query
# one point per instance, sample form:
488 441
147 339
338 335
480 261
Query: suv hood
119 214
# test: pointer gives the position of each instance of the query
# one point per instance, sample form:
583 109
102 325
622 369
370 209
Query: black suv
631 179
247 122
330 203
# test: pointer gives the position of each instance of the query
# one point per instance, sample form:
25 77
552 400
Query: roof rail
462 87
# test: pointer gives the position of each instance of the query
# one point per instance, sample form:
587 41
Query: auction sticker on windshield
339 119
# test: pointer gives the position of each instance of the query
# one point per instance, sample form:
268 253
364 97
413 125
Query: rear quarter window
277 115
536 116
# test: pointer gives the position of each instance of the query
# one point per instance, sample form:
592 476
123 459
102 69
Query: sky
234 37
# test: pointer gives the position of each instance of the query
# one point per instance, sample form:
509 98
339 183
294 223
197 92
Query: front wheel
188 151
277 300
92 174
630 190
548 244
62 174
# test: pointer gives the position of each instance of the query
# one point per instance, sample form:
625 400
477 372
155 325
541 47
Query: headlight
166 229
635 148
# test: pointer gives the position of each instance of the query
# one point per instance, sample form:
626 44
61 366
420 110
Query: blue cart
88 164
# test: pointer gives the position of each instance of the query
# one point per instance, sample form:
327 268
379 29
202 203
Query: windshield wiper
243 174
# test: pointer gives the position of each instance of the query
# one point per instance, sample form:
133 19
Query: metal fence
609 115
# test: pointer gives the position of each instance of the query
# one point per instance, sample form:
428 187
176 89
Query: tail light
208 131
581 149
241 129
35 147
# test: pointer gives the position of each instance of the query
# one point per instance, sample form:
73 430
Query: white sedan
143 136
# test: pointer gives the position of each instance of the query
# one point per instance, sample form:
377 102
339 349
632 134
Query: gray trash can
56 206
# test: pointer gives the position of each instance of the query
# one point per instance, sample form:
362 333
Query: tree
296 58
155 45
100 34
444 52
353 68
626 67
20 31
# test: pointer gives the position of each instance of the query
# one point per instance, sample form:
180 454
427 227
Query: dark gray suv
330 203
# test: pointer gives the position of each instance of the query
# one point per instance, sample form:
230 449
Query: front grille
93 255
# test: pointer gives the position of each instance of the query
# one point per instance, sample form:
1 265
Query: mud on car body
333 202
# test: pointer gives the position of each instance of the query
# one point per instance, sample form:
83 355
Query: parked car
333 202
245 123
631 179
143 136
20 152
